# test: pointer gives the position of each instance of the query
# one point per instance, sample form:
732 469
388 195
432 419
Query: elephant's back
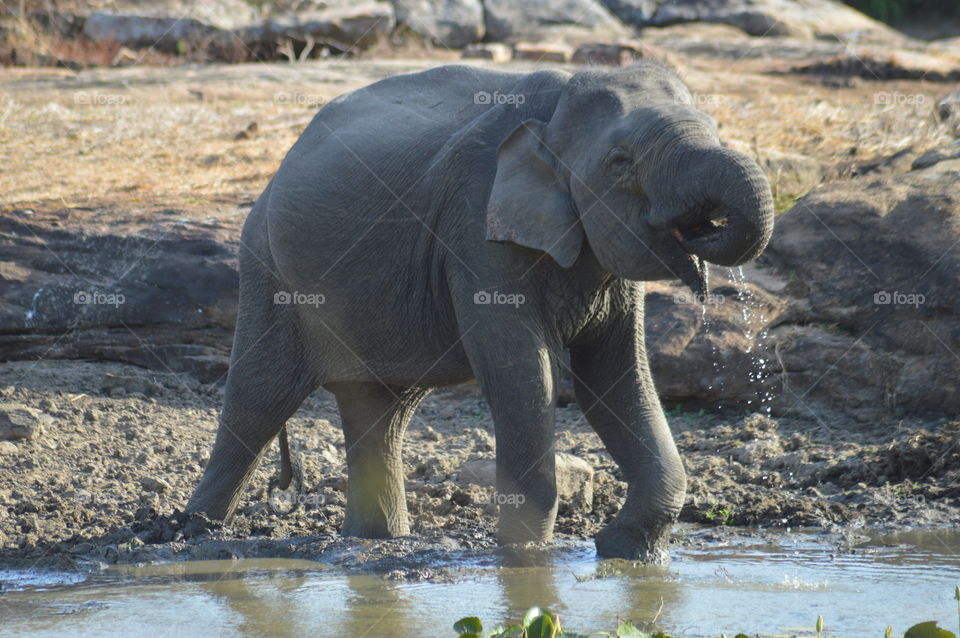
353 177
374 143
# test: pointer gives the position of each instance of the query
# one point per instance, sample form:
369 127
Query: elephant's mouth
702 232
694 271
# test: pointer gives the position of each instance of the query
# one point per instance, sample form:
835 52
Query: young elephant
461 223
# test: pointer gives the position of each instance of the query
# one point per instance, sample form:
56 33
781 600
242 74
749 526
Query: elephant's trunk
723 210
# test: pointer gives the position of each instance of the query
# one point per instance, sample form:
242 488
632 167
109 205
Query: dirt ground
125 447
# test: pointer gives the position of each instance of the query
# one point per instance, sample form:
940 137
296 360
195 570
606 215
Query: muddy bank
119 450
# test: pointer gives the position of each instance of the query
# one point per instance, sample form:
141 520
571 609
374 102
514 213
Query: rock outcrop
854 306
825 19
150 290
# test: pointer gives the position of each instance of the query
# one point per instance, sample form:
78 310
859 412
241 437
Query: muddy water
773 585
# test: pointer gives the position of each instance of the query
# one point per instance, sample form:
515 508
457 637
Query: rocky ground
114 451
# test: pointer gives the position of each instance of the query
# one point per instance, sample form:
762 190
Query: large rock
344 25
220 26
877 273
449 23
636 12
799 18
151 289
852 310
162 33
704 353
537 19
574 478
222 14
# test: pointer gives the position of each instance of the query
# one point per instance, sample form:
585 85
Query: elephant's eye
617 162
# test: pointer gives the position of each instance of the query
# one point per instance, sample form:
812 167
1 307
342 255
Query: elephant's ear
529 204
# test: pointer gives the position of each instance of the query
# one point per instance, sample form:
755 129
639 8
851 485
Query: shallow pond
769 584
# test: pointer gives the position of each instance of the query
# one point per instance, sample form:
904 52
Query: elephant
459 224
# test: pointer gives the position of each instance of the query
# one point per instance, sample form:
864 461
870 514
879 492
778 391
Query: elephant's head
629 164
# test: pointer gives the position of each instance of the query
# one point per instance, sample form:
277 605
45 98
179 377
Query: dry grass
176 137
800 115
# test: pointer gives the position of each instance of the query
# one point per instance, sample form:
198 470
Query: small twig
657 615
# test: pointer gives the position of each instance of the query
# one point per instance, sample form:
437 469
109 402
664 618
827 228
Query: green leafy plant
719 515
541 623
956 595
928 629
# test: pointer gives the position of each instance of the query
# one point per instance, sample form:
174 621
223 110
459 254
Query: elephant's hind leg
268 380
374 419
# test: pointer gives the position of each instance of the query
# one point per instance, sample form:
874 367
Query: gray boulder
574 478
449 23
881 311
825 19
173 282
636 12
347 25
162 33
533 19
852 310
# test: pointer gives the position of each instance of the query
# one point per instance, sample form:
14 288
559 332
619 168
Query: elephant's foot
633 543
525 525
376 521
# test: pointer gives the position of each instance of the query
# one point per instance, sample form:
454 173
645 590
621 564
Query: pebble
17 421
154 484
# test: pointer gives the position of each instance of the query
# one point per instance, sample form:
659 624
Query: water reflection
766 585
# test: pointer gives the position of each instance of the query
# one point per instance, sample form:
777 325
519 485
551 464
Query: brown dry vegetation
192 137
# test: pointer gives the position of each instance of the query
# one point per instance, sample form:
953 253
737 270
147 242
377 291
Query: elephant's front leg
519 381
615 390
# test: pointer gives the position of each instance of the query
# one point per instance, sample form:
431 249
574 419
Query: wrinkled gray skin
404 200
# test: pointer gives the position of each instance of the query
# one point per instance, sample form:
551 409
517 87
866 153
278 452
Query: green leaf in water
889 632
469 625
542 627
627 630
528 617
928 629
